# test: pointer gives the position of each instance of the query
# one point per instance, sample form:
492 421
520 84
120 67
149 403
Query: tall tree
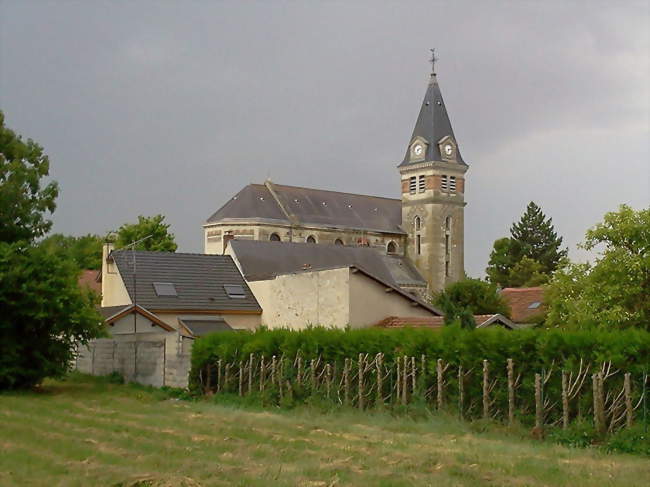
24 197
614 291
154 227
530 255
537 239
44 312
85 251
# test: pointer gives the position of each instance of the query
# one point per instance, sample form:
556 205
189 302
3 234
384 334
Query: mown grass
86 431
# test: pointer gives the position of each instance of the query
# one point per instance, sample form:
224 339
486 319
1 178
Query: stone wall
155 359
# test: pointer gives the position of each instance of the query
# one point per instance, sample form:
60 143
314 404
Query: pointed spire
433 122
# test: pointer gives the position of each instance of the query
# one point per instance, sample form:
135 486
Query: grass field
87 432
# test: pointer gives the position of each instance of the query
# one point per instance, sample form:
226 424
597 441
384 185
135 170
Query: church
419 238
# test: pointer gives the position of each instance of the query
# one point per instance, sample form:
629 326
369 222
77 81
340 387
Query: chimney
107 266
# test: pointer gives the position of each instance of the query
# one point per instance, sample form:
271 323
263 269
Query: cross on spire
433 60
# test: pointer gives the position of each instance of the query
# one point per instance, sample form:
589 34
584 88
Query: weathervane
433 60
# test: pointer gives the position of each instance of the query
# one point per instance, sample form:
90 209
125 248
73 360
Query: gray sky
172 107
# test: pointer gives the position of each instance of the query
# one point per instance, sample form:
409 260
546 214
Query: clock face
418 149
449 149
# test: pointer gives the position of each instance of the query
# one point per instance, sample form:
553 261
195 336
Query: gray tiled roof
306 206
198 279
261 260
202 326
433 124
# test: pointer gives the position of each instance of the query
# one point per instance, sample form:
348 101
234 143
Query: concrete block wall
156 360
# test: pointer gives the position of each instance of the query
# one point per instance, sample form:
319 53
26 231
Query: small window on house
443 183
417 223
338 241
447 245
421 184
391 248
274 237
164 289
418 244
447 268
452 184
412 184
448 223
311 239
534 305
234 291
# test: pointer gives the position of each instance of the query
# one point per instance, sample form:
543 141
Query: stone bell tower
433 193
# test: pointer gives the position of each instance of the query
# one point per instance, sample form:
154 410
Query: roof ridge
171 253
328 191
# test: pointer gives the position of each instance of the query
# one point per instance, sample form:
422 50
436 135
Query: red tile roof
520 300
435 321
88 278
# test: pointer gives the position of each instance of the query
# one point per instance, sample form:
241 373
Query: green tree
154 227
476 296
44 314
24 199
531 253
85 251
614 291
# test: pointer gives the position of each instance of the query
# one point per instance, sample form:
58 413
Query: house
90 279
526 303
482 321
191 294
300 284
425 226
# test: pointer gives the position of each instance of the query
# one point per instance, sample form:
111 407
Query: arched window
311 239
448 223
338 241
418 223
391 248
274 237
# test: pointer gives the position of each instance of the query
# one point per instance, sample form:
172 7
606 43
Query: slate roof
198 279
433 124
199 327
261 260
520 300
89 278
312 207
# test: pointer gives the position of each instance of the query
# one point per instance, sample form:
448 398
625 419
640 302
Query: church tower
433 187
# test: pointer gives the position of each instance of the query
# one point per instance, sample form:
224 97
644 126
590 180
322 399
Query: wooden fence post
599 404
299 373
511 392
346 382
423 373
461 391
262 374
413 377
312 373
539 406
328 379
219 383
405 379
274 365
241 378
226 375
398 381
250 373
486 390
565 399
628 400
440 383
380 388
361 365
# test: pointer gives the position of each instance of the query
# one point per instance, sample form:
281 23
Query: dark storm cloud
148 107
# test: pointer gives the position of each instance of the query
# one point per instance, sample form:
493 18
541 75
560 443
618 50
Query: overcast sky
172 107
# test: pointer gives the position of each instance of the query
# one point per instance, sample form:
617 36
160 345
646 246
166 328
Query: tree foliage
85 251
154 227
614 291
44 314
24 198
476 296
530 255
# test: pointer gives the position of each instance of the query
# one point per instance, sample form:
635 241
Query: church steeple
432 128
432 177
